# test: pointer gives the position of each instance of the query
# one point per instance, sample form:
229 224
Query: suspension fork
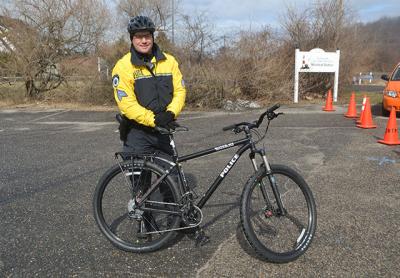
262 185
272 181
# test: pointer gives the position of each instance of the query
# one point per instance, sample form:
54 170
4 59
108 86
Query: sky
229 16
232 14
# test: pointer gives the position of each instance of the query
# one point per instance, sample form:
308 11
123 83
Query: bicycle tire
124 234
262 224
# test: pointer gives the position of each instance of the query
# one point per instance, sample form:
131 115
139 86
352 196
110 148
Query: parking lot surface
51 161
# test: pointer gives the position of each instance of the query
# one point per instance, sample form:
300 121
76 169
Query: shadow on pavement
244 244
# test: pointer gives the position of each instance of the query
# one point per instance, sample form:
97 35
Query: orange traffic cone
352 111
328 105
391 134
366 121
362 109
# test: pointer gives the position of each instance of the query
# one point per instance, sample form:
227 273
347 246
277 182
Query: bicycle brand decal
223 146
229 166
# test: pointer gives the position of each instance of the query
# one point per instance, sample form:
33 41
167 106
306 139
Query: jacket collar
138 61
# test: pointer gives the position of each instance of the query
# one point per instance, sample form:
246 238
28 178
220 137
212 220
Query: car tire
385 113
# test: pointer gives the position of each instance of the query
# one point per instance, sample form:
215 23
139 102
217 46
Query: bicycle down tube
246 142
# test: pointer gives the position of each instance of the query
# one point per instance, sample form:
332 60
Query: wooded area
65 49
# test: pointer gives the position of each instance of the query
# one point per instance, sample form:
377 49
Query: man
148 89
149 92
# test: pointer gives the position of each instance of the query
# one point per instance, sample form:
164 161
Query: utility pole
339 21
173 22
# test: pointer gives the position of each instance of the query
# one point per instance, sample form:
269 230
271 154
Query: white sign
316 60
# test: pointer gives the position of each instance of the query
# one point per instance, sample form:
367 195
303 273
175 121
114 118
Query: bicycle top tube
225 146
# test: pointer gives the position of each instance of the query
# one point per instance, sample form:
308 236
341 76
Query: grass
375 96
74 94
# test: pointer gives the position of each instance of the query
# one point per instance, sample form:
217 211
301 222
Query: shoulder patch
183 83
115 80
121 94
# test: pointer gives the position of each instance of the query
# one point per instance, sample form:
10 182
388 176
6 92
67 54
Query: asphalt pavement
51 161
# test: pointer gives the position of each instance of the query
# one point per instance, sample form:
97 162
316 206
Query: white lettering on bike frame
223 146
229 166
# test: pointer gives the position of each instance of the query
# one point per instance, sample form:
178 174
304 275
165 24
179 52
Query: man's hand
172 125
164 119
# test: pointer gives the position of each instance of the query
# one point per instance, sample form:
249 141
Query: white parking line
21 128
47 116
80 126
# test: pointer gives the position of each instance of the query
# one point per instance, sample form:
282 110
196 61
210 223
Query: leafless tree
327 24
196 36
38 34
160 11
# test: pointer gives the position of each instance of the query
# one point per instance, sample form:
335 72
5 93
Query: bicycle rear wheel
127 226
276 237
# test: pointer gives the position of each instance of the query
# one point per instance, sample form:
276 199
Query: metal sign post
316 60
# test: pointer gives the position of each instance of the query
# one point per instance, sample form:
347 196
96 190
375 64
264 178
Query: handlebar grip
162 130
229 127
273 108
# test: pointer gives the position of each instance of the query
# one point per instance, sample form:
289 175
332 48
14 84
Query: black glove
172 125
164 118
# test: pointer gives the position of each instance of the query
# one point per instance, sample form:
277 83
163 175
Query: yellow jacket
140 95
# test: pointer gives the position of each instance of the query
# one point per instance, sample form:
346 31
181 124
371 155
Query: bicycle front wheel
128 226
275 235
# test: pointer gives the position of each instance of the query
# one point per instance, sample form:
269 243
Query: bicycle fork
281 210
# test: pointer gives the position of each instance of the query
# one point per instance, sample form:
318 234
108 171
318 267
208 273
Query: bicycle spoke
129 225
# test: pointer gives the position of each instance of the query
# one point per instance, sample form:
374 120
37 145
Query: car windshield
396 75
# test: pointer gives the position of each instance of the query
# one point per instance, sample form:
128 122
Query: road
52 160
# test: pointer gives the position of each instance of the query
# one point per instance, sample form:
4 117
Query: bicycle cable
263 136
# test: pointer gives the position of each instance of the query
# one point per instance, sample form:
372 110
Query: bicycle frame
245 143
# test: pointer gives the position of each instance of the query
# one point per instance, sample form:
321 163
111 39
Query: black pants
144 141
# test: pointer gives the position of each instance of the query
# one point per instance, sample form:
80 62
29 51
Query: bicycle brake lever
271 116
237 130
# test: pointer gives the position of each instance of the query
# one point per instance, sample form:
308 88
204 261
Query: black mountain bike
143 201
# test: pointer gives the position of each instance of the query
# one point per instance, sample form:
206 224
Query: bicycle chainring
192 215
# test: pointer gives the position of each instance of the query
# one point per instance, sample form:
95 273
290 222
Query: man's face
143 42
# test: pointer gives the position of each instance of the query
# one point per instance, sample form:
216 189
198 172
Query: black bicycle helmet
140 23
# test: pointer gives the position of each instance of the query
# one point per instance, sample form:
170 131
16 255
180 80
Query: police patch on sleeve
121 94
115 80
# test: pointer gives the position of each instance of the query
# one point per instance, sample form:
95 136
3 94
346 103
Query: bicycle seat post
172 143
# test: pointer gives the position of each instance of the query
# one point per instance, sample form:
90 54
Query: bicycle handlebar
269 113
230 127
163 130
